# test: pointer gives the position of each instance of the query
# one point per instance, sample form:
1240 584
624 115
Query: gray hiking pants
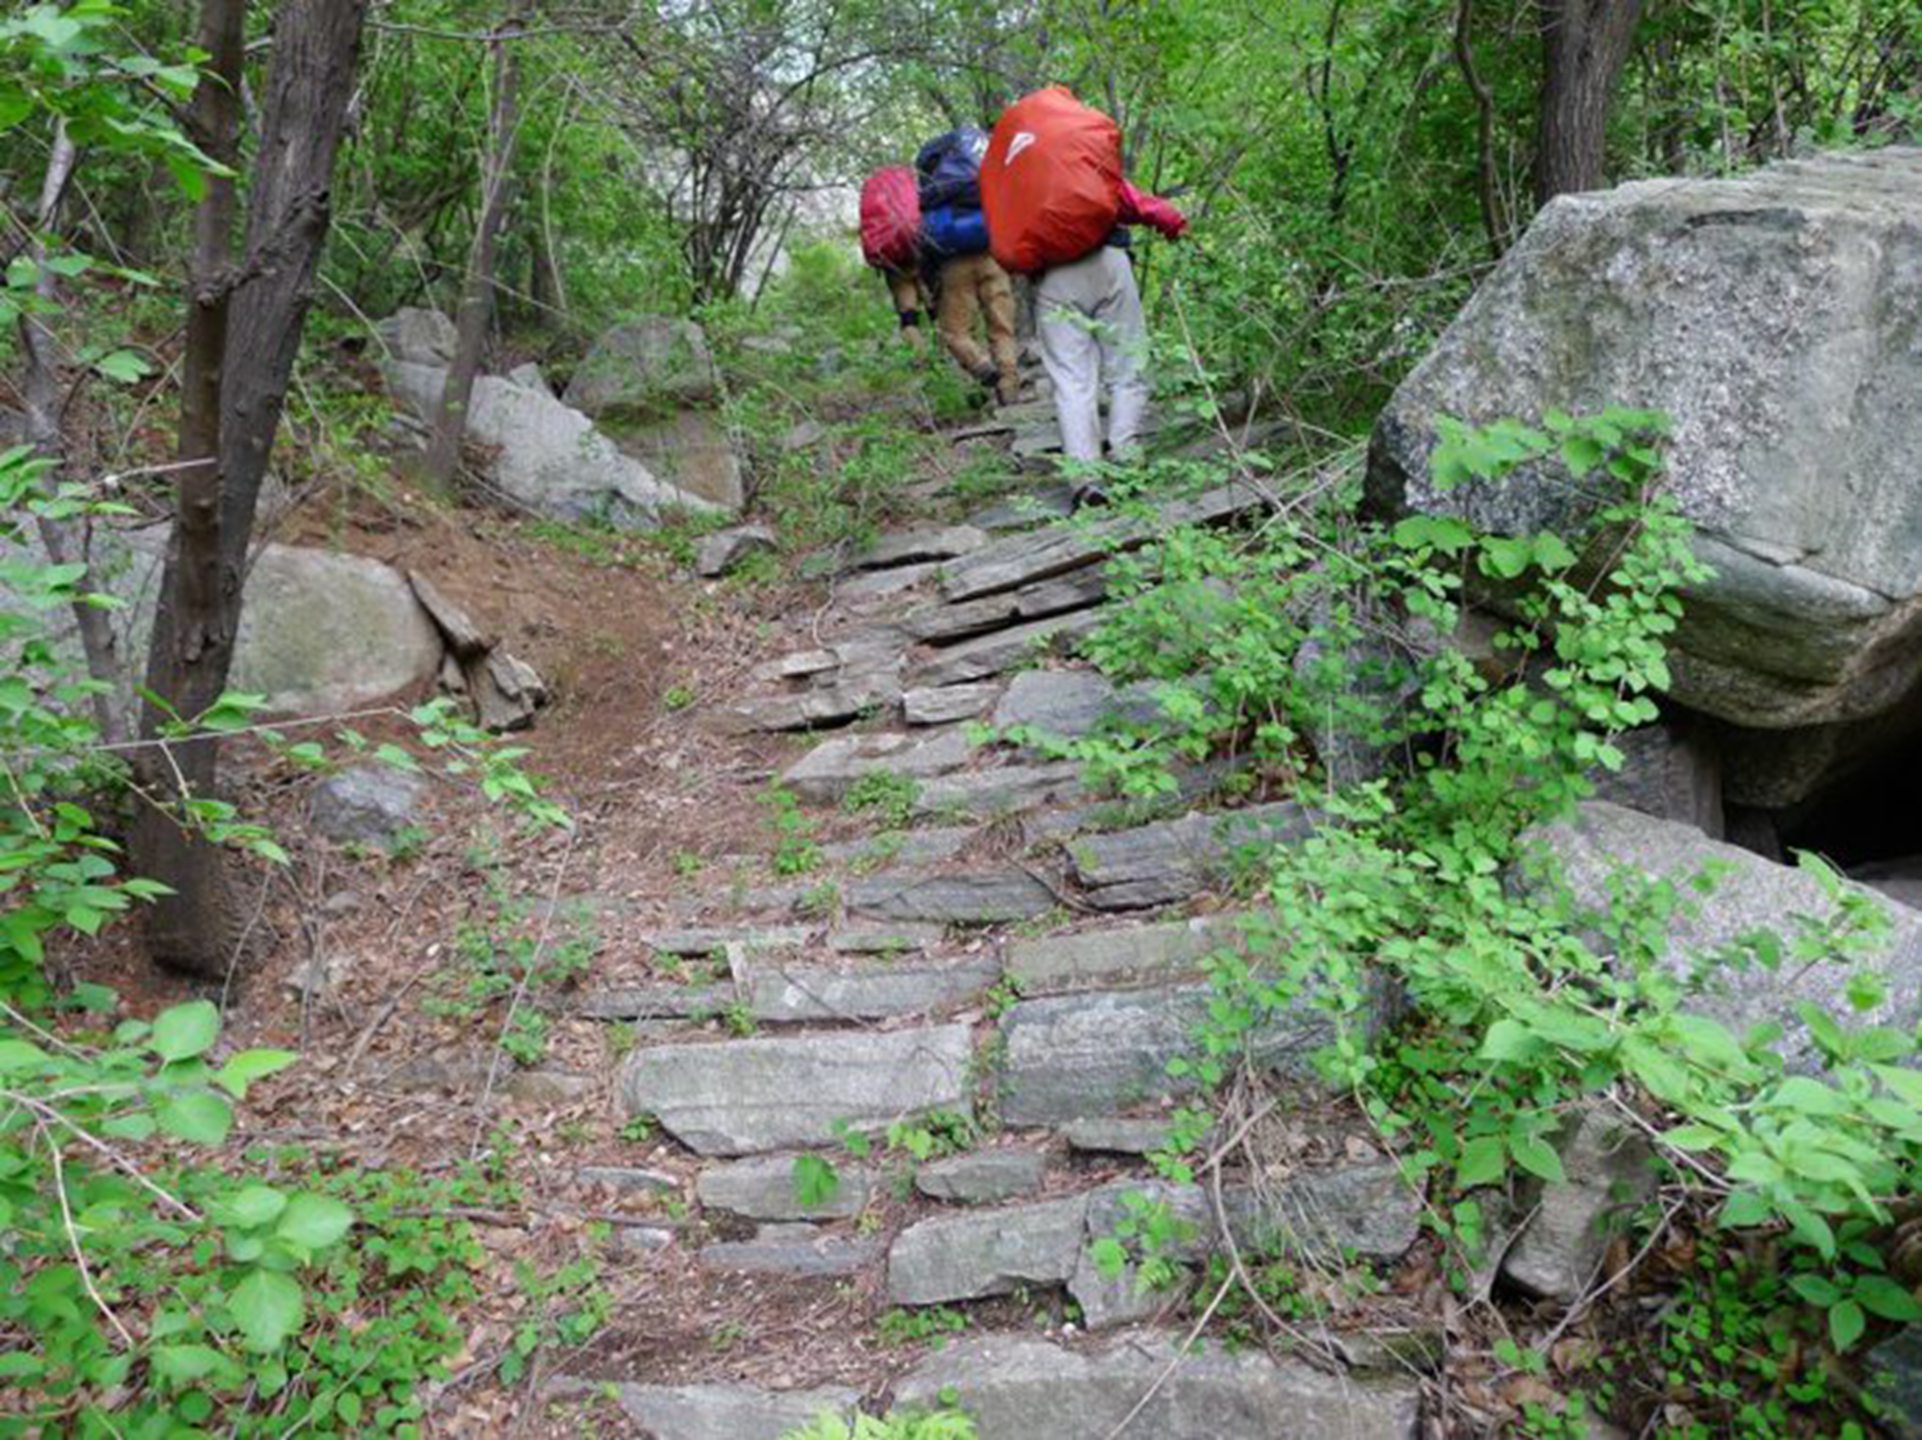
1091 322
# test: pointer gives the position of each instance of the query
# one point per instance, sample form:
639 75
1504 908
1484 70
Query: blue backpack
949 169
950 230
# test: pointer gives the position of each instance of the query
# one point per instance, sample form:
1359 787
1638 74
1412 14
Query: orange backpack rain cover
891 219
1051 181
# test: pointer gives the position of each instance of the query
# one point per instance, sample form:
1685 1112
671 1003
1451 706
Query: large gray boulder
1774 318
418 337
1750 894
646 369
550 459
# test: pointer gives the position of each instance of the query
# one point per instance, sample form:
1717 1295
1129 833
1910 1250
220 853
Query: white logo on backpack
1021 142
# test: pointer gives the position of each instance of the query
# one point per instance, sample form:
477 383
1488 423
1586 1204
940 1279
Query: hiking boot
1090 496
1007 391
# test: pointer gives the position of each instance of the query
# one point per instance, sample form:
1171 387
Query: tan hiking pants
971 285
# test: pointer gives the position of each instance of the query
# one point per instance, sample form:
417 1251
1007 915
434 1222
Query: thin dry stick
1168 1370
73 1241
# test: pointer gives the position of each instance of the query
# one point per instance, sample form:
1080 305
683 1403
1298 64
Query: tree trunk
477 294
1487 181
1585 43
244 328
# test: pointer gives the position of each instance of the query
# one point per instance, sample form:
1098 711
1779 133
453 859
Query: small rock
418 337
642 1239
367 805
629 1179
1561 1249
721 552
529 377
944 704
804 436
982 1177
910 547
835 766
1117 1136
550 1087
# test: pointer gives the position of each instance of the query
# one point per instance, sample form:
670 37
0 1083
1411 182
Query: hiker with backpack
1058 209
967 281
891 239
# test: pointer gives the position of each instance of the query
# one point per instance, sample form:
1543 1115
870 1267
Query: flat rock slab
790 994
834 767
1074 1057
1041 504
1001 650
1004 896
945 704
1000 791
982 1177
989 1252
1070 704
1169 950
706 940
1560 1251
629 1179
1025 559
1117 1136
763 1189
908 547
1750 894
1175 859
748 1096
661 1001
1368 1211
944 624
898 848
1017 1388
727 1412
801 1251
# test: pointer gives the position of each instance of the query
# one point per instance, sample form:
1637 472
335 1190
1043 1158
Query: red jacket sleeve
1140 208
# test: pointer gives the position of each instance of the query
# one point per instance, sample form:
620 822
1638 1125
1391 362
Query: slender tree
477 293
244 327
1585 44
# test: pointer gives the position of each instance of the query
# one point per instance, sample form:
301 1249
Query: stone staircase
997 979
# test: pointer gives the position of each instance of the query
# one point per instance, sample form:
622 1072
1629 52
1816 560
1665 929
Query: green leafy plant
940 1425
890 796
930 1326
795 852
816 1181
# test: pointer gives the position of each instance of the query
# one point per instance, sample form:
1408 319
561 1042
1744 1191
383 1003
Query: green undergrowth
1326 651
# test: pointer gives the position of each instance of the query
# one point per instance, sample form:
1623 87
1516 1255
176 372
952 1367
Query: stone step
1176 859
909 547
917 848
706 941
763 1189
1069 704
718 1412
946 704
799 1251
1004 895
1164 950
826 773
989 1252
1026 559
1038 505
1002 790
1000 650
1101 1053
944 624
982 1177
1023 1388
791 994
741 1097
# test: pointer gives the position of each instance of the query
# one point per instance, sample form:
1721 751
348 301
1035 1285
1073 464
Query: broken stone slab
506 692
764 1189
1559 1253
742 1097
1040 505
794 994
701 941
909 547
943 624
654 1002
629 1179
550 1087
647 367
418 336
692 450
810 709
1117 1136
1194 784
802 1251
1170 949
885 939
1002 790
990 1252
1020 1388
726 1412
1003 896
901 847
1175 859
465 639
721 552
982 1177
833 767
1069 704
1370 1212
944 704
1003 650
872 586
1024 559
1075 1057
